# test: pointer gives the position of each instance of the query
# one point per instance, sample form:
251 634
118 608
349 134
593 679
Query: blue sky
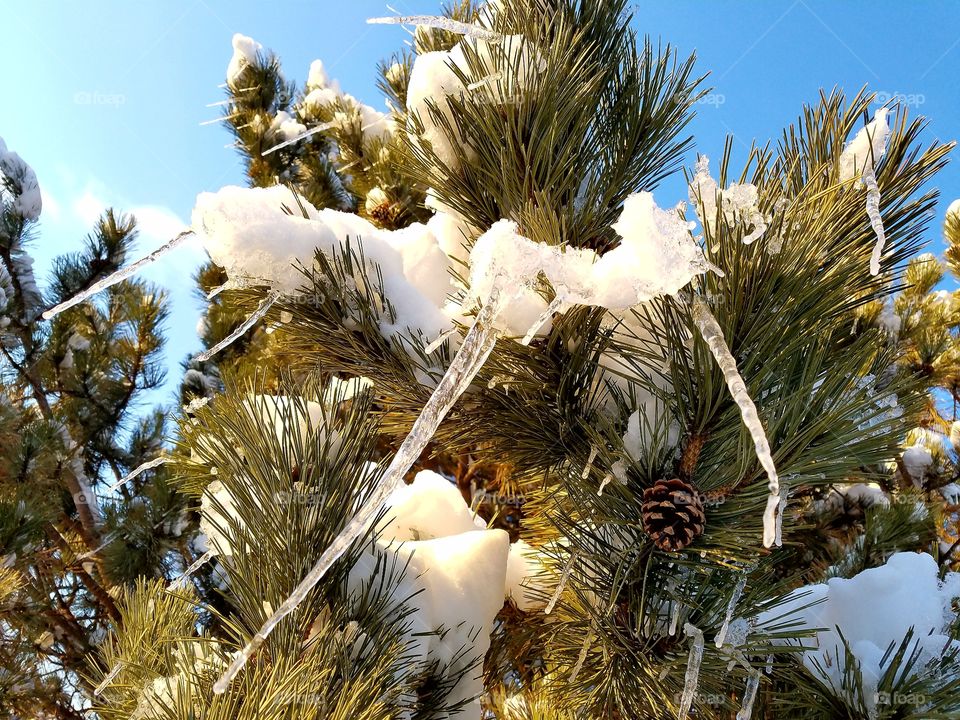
105 98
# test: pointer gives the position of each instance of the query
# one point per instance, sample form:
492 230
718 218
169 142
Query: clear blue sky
105 98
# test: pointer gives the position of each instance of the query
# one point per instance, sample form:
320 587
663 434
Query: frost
731 606
242 328
119 276
858 162
692 676
713 336
476 347
737 204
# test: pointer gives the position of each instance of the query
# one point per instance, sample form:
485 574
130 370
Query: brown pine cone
672 514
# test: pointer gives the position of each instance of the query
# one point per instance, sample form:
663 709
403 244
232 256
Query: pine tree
70 427
665 403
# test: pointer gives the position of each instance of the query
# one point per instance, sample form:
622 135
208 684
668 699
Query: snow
318 79
430 507
247 232
434 79
738 203
245 52
917 459
525 577
219 520
657 256
871 610
26 201
858 162
713 336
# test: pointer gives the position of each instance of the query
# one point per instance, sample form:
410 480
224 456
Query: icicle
441 23
876 221
114 671
106 541
256 315
194 566
778 523
692 677
674 618
731 606
119 276
473 353
582 658
149 465
298 138
561 584
553 307
619 471
493 77
218 103
607 479
225 118
589 466
432 347
713 336
749 696
231 284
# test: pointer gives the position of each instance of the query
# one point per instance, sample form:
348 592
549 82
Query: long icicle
114 671
149 465
119 276
731 606
441 23
476 348
749 696
692 677
553 307
255 316
869 178
713 336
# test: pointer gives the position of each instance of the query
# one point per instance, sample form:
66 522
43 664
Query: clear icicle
607 479
692 677
749 696
441 23
873 212
553 307
119 276
114 671
713 336
231 284
589 466
731 606
582 657
778 523
432 347
140 469
473 353
674 618
561 584
298 138
194 566
255 316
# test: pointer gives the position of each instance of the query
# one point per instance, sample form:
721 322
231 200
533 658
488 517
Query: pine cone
672 514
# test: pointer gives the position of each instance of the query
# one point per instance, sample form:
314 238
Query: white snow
247 232
526 581
245 51
858 162
872 610
917 459
737 204
434 80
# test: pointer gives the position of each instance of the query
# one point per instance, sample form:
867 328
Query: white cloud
51 208
88 207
